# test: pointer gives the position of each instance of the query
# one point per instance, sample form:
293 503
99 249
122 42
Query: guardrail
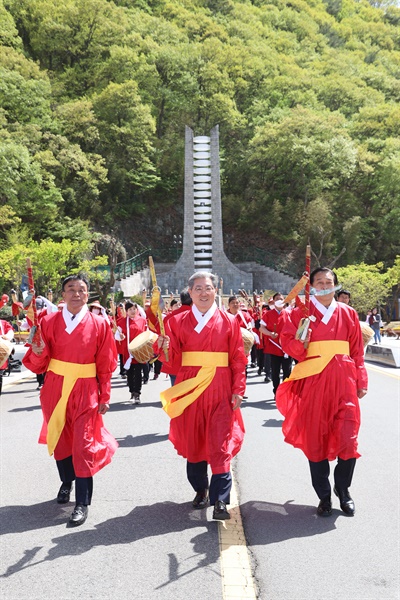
132 265
234 254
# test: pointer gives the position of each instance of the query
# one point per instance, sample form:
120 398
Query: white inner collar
202 319
72 323
326 311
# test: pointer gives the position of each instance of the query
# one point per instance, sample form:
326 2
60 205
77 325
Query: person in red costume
320 400
78 352
130 327
270 327
7 334
186 302
206 422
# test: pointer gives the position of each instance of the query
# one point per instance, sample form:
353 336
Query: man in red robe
78 352
186 302
270 327
206 422
130 327
320 400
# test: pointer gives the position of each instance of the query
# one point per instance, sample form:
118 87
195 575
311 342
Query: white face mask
96 311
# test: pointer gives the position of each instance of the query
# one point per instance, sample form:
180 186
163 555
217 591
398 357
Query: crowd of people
205 351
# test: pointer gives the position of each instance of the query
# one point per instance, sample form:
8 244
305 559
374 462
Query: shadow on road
142 522
268 523
131 441
262 404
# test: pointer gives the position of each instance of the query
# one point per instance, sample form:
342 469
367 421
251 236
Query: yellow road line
382 371
237 578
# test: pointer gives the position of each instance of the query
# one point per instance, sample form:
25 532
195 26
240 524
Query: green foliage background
95 94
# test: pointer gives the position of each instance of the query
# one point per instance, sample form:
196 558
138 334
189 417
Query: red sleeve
237 359
106 359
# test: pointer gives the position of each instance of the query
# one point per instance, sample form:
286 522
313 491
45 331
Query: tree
394 281
110 246
51 261
369 285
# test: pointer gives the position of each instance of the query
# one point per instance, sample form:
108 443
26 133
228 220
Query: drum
141 348
248 340
5 351
367 333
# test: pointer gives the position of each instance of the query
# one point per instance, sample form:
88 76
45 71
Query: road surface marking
237 578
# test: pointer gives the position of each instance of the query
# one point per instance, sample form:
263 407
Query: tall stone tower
202 244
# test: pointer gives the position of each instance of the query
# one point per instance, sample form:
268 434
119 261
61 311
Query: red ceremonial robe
209 430
8 332
322 413
84 435
136 326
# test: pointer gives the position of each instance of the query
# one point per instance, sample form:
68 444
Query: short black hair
78 277
323 270
173 302
344 292
129 304
232 298
186 300
276 294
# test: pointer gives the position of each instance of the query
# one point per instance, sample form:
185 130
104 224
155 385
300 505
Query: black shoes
79 515
220 512
346 501
64 493
135 396
267 379
200 500
325 507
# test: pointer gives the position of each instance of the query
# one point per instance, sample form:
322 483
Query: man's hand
361 393
236 401
103 408
37 348
163 342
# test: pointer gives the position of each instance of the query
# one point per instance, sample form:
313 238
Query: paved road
142 539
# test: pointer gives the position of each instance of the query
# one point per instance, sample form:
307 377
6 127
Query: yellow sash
191 389
71 372
319 354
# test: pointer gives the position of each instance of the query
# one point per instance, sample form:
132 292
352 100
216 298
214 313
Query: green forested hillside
95 94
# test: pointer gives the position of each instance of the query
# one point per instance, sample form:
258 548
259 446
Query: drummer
130 327
6 334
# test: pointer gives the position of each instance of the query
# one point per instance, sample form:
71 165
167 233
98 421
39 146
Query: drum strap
319 354
178 397
71 373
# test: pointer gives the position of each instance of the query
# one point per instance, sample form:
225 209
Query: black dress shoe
220 512
346 501
79 515
325 507
201 499
64 493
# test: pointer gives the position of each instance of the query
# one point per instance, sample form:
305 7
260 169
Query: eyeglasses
208 288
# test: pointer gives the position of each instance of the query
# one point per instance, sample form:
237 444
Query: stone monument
202 243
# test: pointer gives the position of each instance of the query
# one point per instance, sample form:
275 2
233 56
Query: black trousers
343 475
267 365
134 378
260 360
220 485
121 364
276 363
83 485
146 371
157 367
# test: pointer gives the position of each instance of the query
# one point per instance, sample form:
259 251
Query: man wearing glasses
204 404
